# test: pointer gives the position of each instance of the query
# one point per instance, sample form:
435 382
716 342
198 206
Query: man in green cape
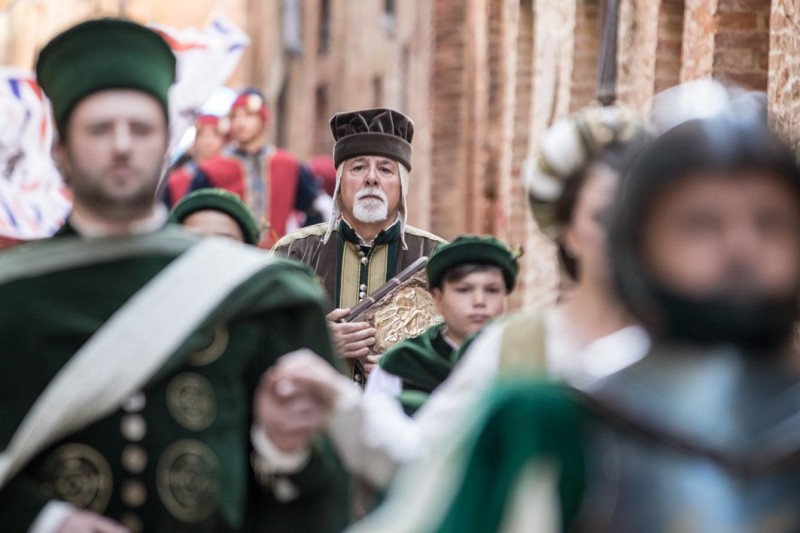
470 279
135 391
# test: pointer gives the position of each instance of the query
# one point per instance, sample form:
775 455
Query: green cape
51 312
422 362
524 422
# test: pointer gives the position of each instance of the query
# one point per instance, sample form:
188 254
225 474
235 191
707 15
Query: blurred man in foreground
135 394
701 435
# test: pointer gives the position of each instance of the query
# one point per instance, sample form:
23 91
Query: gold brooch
80 475
191 401
187 478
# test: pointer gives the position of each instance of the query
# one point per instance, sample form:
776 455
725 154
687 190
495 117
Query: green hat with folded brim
103 54
472 250
222 201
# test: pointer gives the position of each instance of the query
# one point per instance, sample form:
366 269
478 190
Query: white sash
132 345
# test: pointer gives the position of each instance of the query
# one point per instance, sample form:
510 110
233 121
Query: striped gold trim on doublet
351 273
378 265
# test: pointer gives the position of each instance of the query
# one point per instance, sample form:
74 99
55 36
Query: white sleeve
382 382
51 517
374 436
271 464
279 462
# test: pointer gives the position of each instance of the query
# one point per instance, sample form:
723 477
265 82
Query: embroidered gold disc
80 475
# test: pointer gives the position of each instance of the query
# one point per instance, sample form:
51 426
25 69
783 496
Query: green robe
186 467
422 363
523 423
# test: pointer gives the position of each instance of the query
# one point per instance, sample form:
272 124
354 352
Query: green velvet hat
103 54
222 201
472 250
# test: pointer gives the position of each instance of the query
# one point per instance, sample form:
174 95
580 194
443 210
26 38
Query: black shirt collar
386 236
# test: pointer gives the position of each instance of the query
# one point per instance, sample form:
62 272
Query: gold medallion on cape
214 350
80 475
191 401
187 478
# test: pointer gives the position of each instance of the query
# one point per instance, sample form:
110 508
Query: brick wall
417 103
483 16
727 39
638 52
698 39
448 122
493 144
784 67
587 38
513 220
669 44
741 43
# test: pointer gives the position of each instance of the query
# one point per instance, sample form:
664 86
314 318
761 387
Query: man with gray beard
367 241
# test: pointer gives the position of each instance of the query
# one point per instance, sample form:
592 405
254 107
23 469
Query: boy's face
469 303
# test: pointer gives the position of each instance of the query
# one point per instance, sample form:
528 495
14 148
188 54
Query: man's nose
372 175
122 139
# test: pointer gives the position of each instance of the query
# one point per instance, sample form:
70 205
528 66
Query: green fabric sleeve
524 422
323 485
418 361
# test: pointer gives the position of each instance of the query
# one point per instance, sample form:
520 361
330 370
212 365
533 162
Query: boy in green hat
136 392
217 212
470 279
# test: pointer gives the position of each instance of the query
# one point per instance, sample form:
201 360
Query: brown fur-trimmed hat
382 132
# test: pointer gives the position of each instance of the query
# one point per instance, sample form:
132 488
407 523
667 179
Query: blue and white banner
33 199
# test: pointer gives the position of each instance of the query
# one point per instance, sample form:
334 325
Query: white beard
371 210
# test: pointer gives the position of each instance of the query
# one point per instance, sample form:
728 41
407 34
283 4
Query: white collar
568 357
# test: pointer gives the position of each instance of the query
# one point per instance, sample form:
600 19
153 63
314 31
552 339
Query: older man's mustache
373 192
